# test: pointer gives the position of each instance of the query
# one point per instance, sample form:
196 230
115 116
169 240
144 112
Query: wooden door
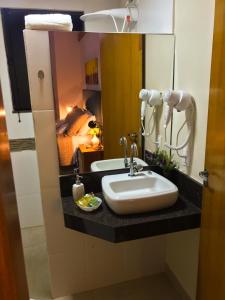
13 285
211 279
121 81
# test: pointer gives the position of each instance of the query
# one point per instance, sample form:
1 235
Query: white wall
159 56
155 16
182 251
194 32
25 129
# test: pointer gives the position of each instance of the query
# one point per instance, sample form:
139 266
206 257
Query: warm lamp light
69 109
2 113
94 131
95 141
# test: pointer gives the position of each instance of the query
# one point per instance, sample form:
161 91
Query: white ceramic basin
113 164
141 193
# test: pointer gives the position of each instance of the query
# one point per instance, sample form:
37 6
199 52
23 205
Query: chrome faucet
134 167
123 142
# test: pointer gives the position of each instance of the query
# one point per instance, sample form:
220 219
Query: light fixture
2 113
69 109
96 133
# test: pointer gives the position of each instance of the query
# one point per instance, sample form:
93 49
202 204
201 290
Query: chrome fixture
123 142
134 167
205 176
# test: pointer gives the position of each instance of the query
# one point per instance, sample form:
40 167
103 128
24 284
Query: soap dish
89 203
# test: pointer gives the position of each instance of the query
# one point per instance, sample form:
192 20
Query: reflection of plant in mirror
163 159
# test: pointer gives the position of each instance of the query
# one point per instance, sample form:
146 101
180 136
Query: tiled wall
27 187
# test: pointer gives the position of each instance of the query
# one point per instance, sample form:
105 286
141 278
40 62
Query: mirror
97 78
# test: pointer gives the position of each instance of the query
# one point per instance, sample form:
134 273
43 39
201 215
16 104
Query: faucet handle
133 137
138 168
134 149
123 140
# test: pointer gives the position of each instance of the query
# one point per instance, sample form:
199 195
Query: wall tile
144 257
27 185
33 236
104 263
30 210
38 59
25 172
67 273
46 147
59 238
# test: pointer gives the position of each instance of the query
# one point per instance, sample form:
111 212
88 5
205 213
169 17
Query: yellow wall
121 60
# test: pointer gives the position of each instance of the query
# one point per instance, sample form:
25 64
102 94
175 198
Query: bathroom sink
147 191
113 164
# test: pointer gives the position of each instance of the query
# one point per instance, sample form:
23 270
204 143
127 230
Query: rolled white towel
49 22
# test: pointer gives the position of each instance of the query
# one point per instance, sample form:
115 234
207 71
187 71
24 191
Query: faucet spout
133 153
123 142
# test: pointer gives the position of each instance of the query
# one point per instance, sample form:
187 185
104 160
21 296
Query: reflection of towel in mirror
49 22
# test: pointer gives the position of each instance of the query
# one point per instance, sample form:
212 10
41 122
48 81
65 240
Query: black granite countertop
105 224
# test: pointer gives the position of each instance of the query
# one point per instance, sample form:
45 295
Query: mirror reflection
97 79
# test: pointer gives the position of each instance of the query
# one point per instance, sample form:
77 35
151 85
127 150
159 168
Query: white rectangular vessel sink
113 164
141 193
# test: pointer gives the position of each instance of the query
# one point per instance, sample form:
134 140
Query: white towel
49 22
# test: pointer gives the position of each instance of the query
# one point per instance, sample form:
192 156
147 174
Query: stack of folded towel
49 22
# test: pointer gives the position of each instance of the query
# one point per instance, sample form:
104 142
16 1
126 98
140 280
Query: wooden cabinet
86 155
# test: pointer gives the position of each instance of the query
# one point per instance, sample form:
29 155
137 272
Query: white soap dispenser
78 187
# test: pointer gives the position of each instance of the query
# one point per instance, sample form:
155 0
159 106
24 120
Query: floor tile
156 287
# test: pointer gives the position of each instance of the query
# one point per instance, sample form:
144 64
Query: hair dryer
171 98
151 98
181 101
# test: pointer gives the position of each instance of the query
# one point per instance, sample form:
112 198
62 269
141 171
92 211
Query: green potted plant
164 160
